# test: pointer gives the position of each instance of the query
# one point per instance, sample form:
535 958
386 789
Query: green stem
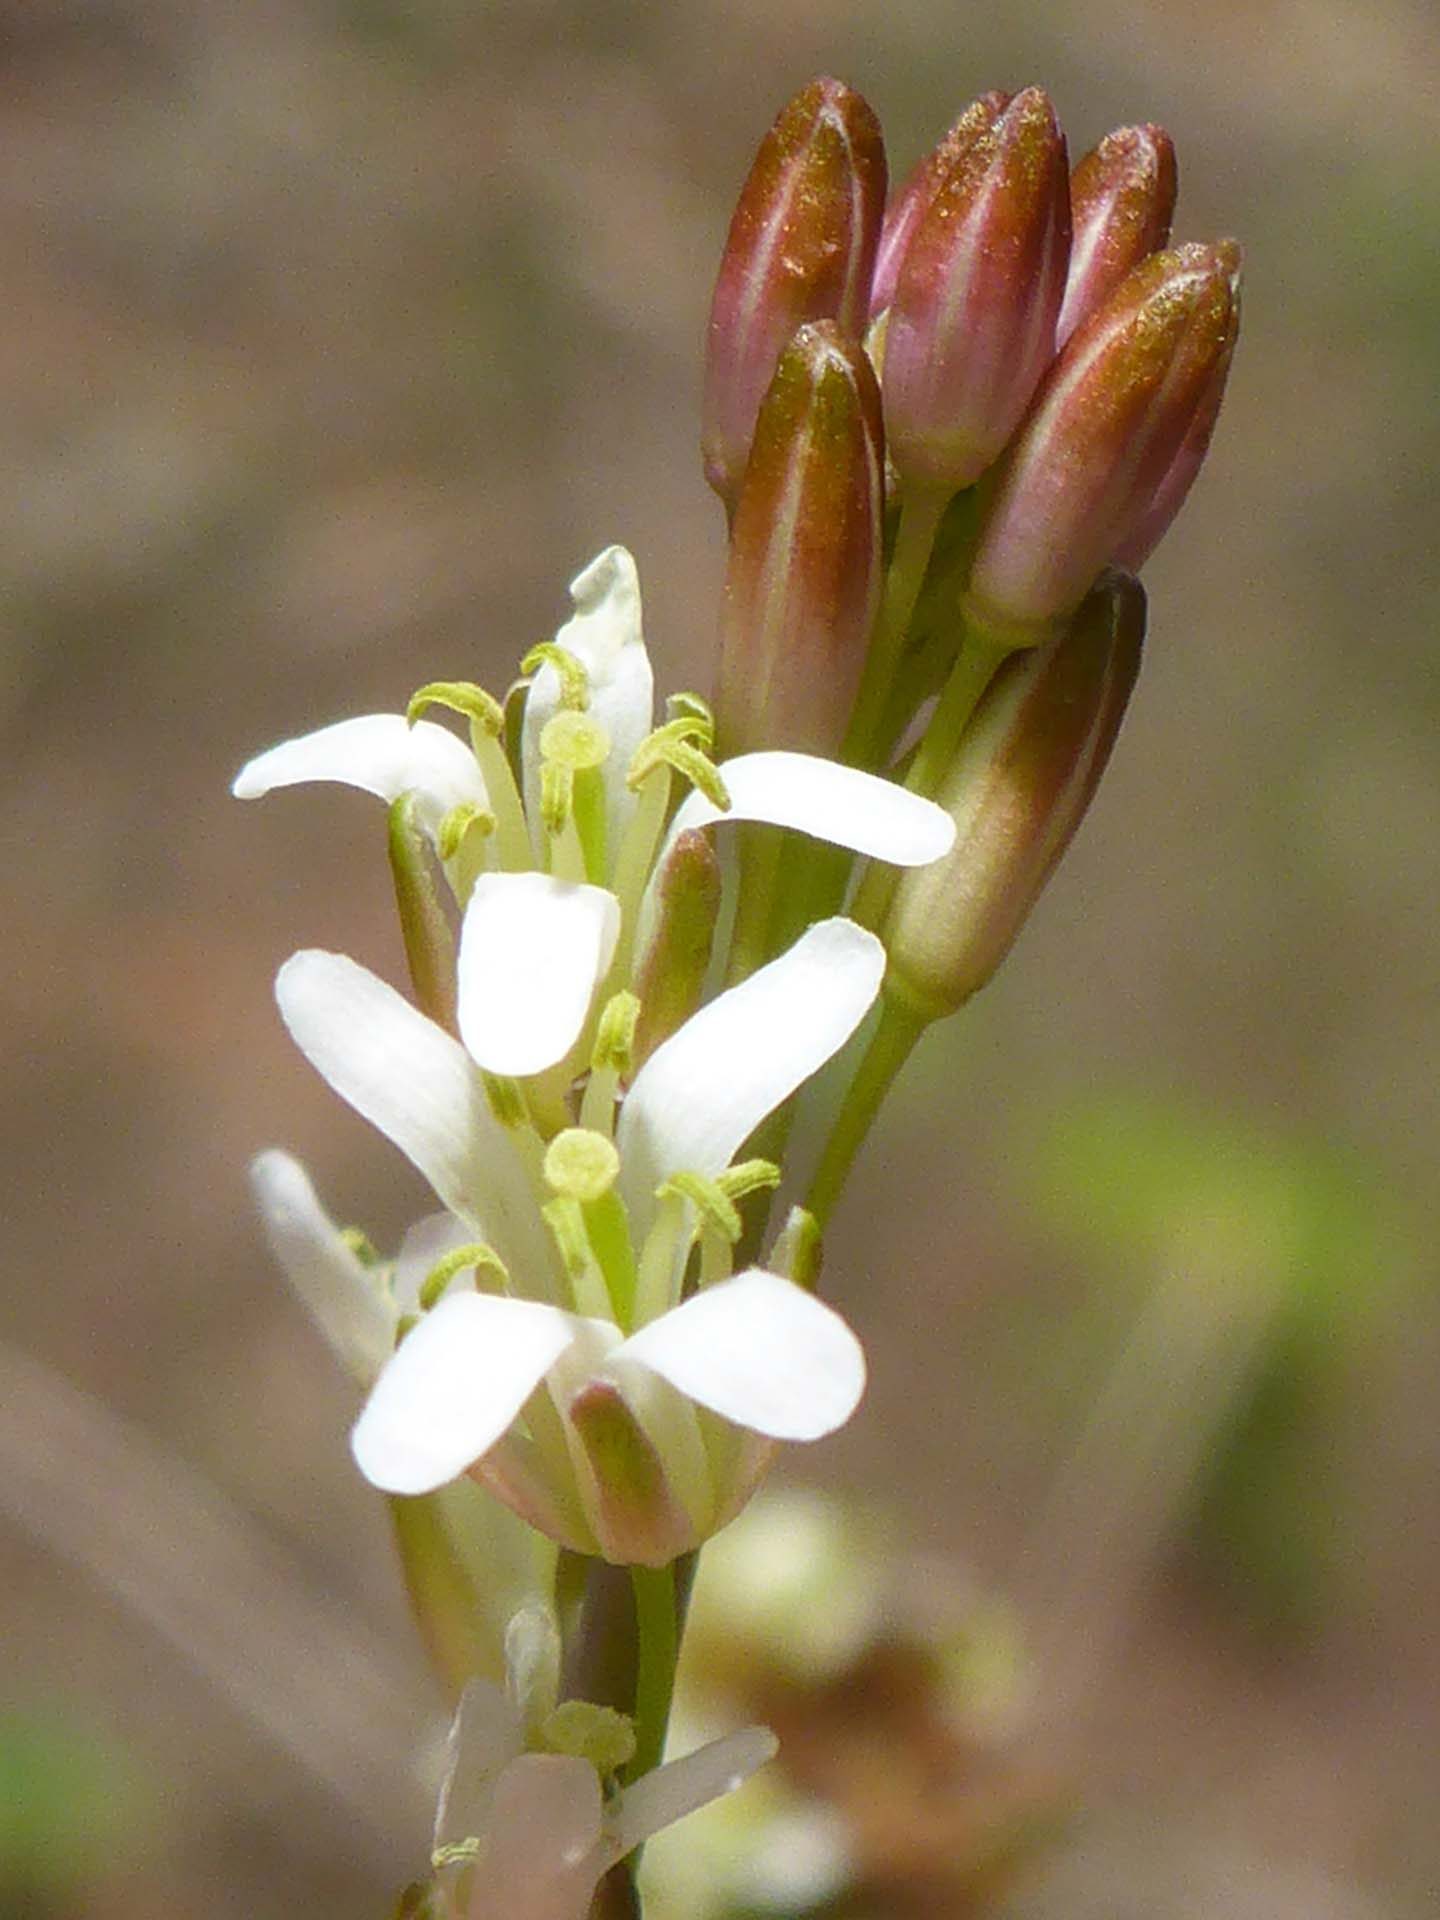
974 669
761 850
658 1629
920 516
979 658
890 1046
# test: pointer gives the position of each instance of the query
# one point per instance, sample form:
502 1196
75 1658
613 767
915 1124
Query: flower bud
670 972
972 323
905 210
803 581
1110 442
1122 200
1026 771
801 247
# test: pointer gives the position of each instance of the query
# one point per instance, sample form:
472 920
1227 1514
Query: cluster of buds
1010 354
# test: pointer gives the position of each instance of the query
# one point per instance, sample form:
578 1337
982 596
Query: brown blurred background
337 337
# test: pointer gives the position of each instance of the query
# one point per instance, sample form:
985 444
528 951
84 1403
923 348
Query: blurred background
338 335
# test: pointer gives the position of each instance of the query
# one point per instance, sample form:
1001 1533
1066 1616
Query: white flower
529 1835
661 1402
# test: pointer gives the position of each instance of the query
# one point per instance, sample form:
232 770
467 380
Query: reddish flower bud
1026 772
904 211
1169 496
1110 442
1122 200
972 323
803 582
801 247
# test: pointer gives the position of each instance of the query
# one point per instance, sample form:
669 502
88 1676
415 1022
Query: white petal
532 951
605 636
417 1085
760 1351
380 754
703 1092
661 1798
333 1283
453 1387
820 797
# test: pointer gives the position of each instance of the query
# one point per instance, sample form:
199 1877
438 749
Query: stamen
478 1255
574 680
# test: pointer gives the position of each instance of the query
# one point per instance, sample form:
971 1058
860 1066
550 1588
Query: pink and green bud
1169 496
670 973
972 323
905 210
801 247
1025 774
1111 443
803 581
1122 200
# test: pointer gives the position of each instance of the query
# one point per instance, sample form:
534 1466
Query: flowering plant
938 431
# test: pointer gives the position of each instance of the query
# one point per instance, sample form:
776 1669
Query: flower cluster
553 1346
940 431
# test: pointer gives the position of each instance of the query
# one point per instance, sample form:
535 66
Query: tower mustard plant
945 436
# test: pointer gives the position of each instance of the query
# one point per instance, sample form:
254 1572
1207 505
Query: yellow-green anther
574 680
689 706
797 1252
614 1048
507 1102
718 1212
478 1255
680 744
482 709
670 973
429 942
583 1731
456 1853
406 1323
458 822
747 1177
361 1245
581 1164
557 796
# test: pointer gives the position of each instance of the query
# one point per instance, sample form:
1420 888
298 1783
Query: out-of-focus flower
801 247
530 1818
972 323
1113 433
